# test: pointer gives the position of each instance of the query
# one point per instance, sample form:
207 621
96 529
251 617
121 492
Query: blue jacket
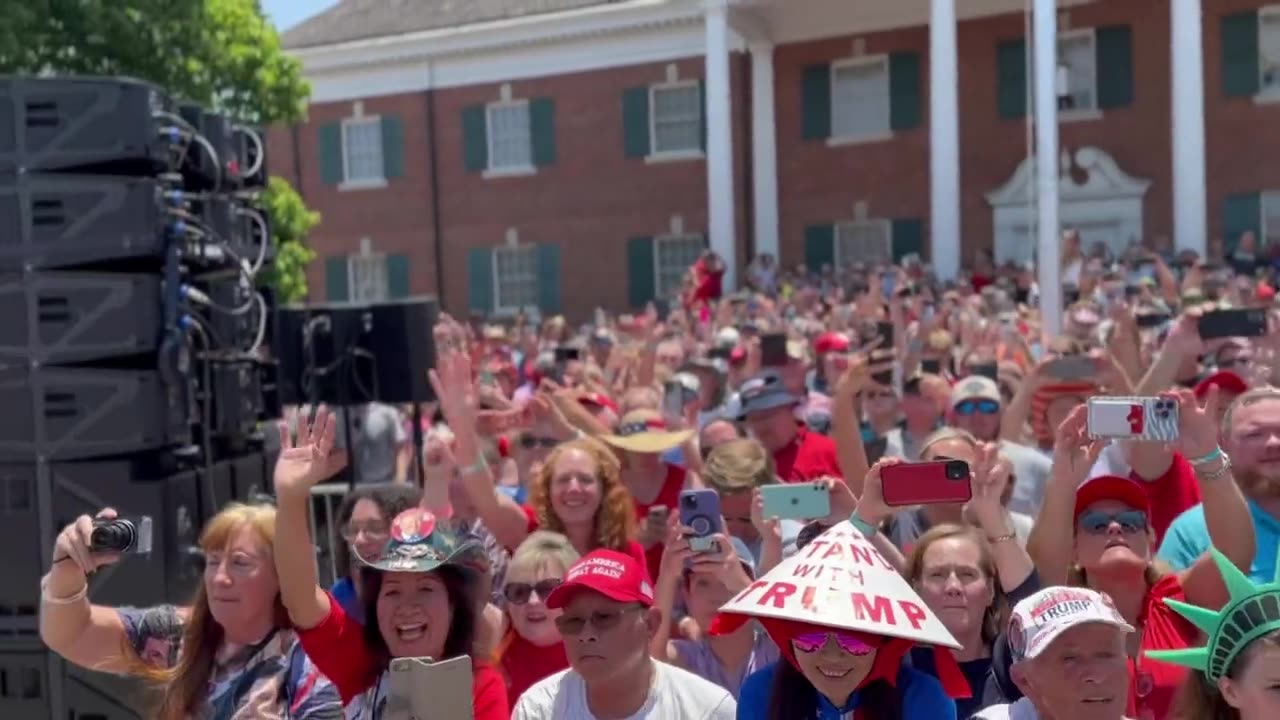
922 698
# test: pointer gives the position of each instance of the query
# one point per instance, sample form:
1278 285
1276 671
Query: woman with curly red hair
578 492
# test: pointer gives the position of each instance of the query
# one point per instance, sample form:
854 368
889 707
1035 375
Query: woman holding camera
231 653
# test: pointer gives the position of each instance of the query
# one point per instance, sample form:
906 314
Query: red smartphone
940 482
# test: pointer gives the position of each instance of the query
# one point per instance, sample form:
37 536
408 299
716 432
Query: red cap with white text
615 575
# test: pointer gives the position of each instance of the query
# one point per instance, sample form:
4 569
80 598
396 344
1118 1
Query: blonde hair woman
231 653
531 648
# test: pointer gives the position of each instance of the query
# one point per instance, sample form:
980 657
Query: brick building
558 153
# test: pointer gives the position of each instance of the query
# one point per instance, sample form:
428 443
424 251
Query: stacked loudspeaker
131 323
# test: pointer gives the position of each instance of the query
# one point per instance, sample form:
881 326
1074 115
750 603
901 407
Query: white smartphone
423 688
1133 418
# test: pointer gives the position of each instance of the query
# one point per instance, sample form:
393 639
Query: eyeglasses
1097 523
237 564
572 625
529 442
813 642
371 530
521 593
980 407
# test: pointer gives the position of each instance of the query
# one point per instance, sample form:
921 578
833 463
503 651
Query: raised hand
768 527
310 458
1074 452
990 476
1197 425
843 501
455 388
871 506
72 544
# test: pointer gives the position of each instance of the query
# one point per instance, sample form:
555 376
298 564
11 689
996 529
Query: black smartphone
1244 322
567 354
885 331
720 353
986 370
773 350
1150 320
932 366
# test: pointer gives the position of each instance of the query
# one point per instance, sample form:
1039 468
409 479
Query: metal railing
325 500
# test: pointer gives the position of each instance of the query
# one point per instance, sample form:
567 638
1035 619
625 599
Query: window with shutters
510 136
675 118
367 277
864 241
860 98
362 150
1271 218
1077 80
673 256
1269 49
515 278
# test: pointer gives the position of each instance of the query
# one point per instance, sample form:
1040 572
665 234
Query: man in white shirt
1069 661
607 623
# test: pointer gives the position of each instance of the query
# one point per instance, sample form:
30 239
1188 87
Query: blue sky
287 13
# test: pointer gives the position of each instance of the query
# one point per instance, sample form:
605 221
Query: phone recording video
1242 322
773 350
700 512
1072 367
926 483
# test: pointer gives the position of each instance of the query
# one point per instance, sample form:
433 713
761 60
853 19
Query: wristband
71 599
1222 471
867 529
1206 459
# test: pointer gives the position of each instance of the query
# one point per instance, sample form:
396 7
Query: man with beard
1251 438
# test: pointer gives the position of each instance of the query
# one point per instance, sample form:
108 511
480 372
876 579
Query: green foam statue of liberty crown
1252 611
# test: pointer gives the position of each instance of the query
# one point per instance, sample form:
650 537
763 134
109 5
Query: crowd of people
547 547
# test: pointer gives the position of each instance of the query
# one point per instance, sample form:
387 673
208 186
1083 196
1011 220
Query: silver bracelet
1211 475
71 599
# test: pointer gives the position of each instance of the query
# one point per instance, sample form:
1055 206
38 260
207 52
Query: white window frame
491 170
1087 112
507 310
884 225
887 133
1267 93
654 152
1268 197
376 265
658 240
348 182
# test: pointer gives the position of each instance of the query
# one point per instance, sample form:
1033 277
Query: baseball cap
1112 487
975 387
1226 381
615 575
1038 620
727 337
831 342
764 392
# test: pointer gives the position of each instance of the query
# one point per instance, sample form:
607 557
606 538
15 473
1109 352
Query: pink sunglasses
813 642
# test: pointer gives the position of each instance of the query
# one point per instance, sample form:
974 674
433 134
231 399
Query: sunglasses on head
1097 523
980 407
518 593
813 642
529 442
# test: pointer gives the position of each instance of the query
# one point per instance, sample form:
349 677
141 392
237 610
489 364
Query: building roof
362 19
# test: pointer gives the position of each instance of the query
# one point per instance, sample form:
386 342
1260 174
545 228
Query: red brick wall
594 198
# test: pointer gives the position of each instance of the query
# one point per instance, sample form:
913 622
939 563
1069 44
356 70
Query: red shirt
525 663
808 457
338 649
709 282
1170 494
633 548
1153 685
669 497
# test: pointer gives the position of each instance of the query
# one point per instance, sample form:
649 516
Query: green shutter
397 276
819 246
635 122
542 126
549 279
642 278
480 280
1241 67
904 90
908 238
815 110
475 140
392 147
702 112
1241 213
1011 78
336 285
331 154
1114 46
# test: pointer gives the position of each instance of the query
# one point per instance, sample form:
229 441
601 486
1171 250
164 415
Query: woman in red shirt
531 648
1098 534
420 589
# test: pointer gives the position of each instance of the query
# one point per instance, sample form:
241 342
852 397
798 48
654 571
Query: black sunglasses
519 593
529 442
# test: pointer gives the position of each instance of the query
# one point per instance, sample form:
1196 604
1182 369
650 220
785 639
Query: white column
720 195
1190 190
944 140
1045 93
764 151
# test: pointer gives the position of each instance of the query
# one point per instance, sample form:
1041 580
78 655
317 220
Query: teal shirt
1188 538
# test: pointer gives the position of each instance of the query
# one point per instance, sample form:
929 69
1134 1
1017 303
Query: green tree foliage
220 53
